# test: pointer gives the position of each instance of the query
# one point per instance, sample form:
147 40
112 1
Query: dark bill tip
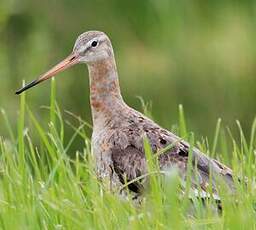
69 61
29 85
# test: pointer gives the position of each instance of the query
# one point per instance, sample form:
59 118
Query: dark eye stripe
96 43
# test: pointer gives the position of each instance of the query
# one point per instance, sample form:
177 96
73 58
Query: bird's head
90 47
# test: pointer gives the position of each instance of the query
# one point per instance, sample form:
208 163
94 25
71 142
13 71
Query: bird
119 131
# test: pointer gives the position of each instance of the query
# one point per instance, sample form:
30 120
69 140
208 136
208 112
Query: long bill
71 60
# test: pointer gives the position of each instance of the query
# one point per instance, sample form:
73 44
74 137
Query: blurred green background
201 54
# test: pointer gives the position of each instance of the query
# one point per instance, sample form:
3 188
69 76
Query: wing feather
129 163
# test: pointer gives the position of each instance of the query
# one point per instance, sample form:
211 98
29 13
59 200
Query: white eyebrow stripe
83 48
98 39
88 44
101 38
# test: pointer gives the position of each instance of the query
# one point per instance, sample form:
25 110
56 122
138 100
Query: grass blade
182 122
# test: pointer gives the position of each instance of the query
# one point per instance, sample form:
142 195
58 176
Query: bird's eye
94 44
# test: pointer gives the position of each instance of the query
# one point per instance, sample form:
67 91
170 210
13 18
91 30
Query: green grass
42 187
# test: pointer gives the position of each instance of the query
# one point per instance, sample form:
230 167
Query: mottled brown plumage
118 130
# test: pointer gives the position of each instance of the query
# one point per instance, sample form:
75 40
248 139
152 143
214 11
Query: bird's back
126 157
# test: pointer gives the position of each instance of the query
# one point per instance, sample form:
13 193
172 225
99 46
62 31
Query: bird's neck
105 93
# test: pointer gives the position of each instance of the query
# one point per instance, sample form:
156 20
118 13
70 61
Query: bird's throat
104 87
